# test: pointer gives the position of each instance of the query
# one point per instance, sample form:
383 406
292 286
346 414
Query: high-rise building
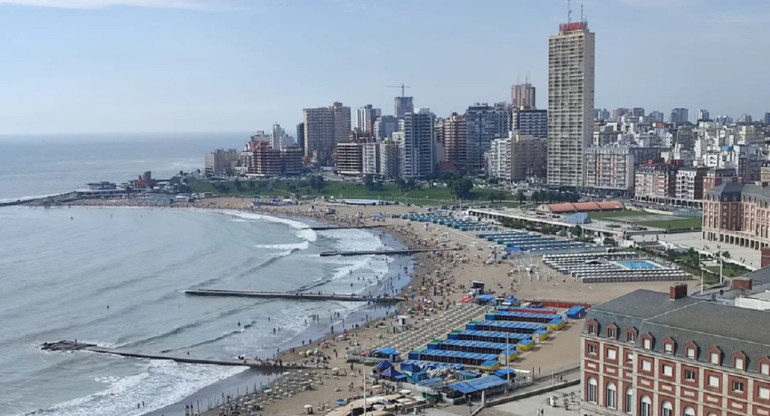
301 135
767 118
745 118
403 105
601 114
384 126
454 140
656 117
609 168
279 137
324 128
637 112
350 158
531 122
370 158
523 96
679 116
417 152
618 113
703 115
498 159
389 156
365 117
528 157
570 102
221 162
484 123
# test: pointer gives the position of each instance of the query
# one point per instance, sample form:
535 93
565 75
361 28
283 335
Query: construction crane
402 86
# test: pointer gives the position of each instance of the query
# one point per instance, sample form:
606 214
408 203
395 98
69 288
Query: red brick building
656 354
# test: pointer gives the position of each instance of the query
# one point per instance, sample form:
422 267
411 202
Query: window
714 358
691 353
668 348
689 375
689 411
629 400
738 386
612 354
739 363
592 328
713 381
629 357
611 333
591 392
668 370
631 337
764 368
646 406
763 393
666 409
611 396
592 349
647 344
646 365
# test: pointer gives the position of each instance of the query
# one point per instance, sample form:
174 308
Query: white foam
303 232
290 246
162 383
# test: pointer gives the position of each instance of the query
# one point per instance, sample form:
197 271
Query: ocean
116 276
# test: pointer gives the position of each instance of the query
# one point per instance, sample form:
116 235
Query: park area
647 219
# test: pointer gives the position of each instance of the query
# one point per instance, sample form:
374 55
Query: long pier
295 295
384 252
66 345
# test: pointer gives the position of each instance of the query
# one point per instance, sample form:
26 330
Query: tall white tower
570 102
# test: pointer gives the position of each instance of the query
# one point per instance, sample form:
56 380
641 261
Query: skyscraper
403 105
484 123
384 126
454 140
417 153
703 115
324 128
365 117
301 135
570 102
679 116
531 122
523 96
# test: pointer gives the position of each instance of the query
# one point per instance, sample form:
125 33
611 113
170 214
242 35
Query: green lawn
676 223
615 214
388 192
729 270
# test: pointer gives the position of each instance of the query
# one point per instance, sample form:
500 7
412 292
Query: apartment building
350 158
738 213
689 183
609 168
655 182
666 354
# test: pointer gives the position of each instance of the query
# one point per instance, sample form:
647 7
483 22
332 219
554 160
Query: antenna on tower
582 19
569 11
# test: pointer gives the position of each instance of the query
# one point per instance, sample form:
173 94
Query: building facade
679 116
570 102
221 162
498 159
737 213
484 123
523 96
657 354
384 127
528 158
324 128
365 117
689 183
350 158
655 183
531 122
389 158
403 105
454 130
609 168
416 150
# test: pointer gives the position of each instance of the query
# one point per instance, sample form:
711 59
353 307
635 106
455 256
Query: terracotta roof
607 205
563 207
586 206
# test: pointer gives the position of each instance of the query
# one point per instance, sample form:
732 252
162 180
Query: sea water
116 276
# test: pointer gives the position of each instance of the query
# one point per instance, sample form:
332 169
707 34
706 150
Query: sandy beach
446 278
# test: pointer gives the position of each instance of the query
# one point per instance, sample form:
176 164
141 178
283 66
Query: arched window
646 409
666 409
689 411
611 396
629 400
591 391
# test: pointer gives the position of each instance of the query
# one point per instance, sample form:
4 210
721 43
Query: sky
124 66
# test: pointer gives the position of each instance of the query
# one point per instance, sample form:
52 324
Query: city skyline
90 66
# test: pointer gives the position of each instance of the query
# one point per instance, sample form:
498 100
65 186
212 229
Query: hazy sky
69 66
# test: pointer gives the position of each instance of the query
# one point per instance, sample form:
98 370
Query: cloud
103 4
